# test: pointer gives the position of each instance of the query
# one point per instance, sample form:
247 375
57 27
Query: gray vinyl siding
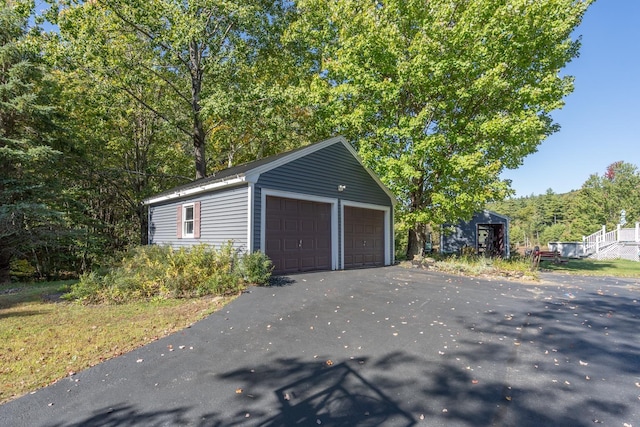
321 172
223 217
465 233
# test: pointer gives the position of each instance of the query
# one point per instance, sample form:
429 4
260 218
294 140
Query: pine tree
27 162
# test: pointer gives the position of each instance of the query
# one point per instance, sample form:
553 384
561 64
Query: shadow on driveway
435 350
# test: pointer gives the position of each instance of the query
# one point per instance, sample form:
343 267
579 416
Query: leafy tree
30 216
439 96
552 233
568 217
601 198
200 52
123 151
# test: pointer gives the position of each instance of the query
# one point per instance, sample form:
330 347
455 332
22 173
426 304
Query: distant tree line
550 217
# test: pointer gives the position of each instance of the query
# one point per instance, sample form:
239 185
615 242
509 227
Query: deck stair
618 243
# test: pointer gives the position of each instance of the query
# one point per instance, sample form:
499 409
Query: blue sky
600 122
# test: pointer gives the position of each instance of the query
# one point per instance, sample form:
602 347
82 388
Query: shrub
150 272
477 265
256 268
88 290
21 270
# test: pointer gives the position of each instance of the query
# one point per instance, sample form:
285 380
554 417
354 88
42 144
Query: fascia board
196 190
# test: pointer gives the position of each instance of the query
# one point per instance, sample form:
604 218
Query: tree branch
145 32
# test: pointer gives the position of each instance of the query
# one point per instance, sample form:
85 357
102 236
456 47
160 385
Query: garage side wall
319 174
465 233
223 217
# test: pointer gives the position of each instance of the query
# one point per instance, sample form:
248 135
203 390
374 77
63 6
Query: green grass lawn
587 267
45 339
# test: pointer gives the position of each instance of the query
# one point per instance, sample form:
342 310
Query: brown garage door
298 235
363 237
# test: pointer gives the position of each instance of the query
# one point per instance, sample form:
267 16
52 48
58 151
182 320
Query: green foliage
440 97
256 268
22 269
160 272
215 68
549 217
32 211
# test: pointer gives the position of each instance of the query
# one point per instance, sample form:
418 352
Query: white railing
590 243
601 239
627 235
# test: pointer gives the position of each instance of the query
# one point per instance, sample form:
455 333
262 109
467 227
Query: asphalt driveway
377 347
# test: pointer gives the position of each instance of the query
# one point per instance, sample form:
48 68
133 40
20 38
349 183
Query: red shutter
179 222
196 220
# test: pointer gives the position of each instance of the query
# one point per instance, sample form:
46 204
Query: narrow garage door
298 235
363 237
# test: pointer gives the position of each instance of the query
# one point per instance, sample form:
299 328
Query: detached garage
314 208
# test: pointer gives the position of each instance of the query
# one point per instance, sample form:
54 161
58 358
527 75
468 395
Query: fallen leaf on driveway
238 391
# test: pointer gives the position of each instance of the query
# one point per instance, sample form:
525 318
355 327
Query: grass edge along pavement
45 339
519 268
589 267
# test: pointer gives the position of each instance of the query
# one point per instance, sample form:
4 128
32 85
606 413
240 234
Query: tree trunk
199 151
5 268
417 234
195 56
143 220
417 239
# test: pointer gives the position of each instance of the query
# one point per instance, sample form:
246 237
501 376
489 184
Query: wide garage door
297 235
363 237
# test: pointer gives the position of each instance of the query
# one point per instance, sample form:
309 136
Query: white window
188 219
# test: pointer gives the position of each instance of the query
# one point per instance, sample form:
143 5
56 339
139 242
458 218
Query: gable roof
250 172
494 213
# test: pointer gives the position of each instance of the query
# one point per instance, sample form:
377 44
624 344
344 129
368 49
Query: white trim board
196 190
250 231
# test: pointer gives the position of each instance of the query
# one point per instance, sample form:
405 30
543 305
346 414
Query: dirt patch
55 298
10 291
